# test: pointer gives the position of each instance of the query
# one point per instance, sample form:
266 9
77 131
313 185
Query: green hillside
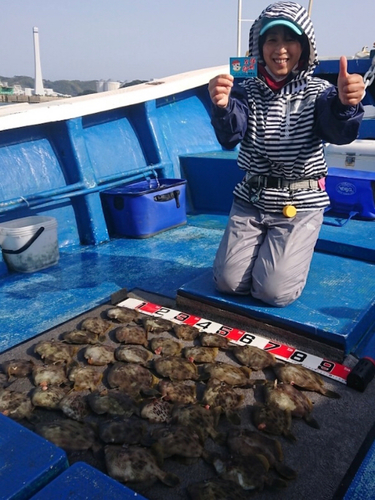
67 87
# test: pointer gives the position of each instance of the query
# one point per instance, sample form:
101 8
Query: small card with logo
243 67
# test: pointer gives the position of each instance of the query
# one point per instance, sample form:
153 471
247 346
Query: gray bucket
29 244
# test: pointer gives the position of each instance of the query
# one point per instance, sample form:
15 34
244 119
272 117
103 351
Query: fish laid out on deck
156 410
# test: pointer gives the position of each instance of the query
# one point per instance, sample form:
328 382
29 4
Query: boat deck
333 317
178 263
86 277
49 301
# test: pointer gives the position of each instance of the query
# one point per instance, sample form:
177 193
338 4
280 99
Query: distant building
106 85
18 90
5 89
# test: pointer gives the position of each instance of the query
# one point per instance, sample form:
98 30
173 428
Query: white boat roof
23 115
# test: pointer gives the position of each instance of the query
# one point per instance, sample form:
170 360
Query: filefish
303 378
273 420
54 352
137 465
123 314
178 391
74 405
112 402
69 435
199 419
85 378
287 397
122 431
157 411
250 472
175 440
131 378
96 325
223 396
246 442
18 368
232 375
175 368
156 325
254 357
215 340
200 354
165 346
99 355
48 399
47 375
83 337
216 489
15 405
131 334
133 354
186 332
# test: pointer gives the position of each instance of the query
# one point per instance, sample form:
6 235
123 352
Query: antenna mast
310 7
239 22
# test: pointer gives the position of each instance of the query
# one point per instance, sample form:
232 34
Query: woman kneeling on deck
281 117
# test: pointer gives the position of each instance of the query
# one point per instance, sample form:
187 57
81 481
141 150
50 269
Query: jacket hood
294 13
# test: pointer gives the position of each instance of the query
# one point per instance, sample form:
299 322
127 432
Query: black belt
267 181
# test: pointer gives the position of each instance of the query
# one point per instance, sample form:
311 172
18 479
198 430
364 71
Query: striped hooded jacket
282 133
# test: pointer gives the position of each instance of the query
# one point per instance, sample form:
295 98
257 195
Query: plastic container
358 155
351 177
351 191
145 208
29 244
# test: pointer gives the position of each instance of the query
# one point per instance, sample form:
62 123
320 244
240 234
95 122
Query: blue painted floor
86 277
363 485
332 308
353 238
337 305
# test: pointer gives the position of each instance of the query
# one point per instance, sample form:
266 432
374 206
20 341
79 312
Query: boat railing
52 196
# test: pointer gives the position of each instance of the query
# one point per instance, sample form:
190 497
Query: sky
124 40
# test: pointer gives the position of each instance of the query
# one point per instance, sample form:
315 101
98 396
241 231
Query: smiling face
281 50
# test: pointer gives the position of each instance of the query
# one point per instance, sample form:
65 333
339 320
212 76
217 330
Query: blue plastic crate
145 208
83 482
27 461
351 191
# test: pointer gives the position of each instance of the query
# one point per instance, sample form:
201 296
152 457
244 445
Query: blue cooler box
351 191
145 208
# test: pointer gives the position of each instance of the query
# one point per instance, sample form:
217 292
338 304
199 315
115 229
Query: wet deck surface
320 457
56 299
86 277
333 308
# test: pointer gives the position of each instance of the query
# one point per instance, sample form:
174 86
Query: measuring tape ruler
284 352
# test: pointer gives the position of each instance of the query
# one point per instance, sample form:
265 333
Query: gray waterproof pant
266 254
